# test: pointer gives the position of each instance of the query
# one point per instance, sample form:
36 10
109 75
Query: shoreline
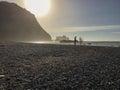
86 43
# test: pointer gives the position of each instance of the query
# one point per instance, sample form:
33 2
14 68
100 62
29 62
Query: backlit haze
37 7
94 20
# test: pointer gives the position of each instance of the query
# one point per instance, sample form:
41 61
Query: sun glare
38 7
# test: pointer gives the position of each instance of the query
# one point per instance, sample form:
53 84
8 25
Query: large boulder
18 24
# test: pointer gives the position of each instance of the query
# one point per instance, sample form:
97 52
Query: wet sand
58 67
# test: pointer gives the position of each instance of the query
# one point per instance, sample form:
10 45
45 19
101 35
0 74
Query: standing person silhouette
75 40
80 40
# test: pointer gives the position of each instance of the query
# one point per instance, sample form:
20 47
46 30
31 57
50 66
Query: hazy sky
91 19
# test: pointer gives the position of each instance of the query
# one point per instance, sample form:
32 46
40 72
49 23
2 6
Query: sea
86 43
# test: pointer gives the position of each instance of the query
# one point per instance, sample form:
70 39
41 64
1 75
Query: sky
93 20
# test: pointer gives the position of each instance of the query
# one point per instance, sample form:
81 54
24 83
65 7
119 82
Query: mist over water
86 43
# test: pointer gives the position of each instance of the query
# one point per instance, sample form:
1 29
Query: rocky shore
58 67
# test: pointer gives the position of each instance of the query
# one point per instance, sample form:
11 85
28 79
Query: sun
38 7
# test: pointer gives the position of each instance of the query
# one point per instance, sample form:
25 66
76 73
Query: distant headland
18 24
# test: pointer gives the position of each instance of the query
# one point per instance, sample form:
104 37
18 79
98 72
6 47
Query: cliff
18 24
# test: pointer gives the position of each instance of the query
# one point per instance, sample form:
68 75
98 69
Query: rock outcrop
18 24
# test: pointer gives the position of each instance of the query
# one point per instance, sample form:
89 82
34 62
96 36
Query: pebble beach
25 66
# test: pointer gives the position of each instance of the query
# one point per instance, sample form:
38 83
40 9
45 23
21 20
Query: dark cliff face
17 24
